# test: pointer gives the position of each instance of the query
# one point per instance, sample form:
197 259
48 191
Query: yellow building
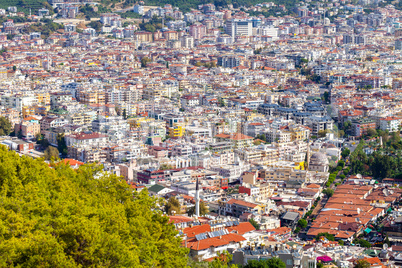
177 131
136 122
28 111
43 98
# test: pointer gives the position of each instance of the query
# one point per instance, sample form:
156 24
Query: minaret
308 154
197 200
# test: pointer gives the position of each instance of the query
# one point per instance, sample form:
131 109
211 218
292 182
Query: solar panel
201 236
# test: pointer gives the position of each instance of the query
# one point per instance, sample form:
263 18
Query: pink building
197 30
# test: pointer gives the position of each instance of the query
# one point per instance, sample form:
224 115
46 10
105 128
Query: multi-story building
360 127
390 123
242 27
90 138
197 30
27 129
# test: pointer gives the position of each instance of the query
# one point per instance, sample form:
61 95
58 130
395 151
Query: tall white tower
197 200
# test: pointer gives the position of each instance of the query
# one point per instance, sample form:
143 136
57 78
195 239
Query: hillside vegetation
60 217
26 5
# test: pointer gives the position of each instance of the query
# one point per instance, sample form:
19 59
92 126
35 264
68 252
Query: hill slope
65 218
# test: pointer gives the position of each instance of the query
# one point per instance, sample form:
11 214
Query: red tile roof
214 241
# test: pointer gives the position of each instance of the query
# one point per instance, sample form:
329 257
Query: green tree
302 223
255 224
222 261
328 192
172 206
330 237
124 114
362 264
371 132
269 263
345 153
60 217
383 166
61 144
363 243
44 143
322 133
5 126
326 97
165 167
51 152
145 61
341 163
203 210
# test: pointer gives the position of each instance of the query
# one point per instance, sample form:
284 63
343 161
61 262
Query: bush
302 223
341 163
328 192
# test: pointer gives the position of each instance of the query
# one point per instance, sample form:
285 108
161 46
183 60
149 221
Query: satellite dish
385 246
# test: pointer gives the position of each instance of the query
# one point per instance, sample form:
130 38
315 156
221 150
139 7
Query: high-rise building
197 30
237 27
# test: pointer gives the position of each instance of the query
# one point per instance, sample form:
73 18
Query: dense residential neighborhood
269 131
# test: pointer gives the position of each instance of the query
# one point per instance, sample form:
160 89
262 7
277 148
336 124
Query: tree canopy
60 217
269 263
5 126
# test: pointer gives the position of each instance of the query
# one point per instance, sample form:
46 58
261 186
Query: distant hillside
106 5
26 5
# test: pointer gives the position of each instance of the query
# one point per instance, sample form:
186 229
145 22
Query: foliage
326 97
383 166
130 14
328 236
261 137
328 192
323 133
96 25
345 153
362 264
203 210
44 143
5 126
60 217
341 164
61 144
269 263
371 132
341 242
302 223
172 206
46 27
255 224
51 153
222 261
27 6
166 167
88 11
362 243
145 61
153 24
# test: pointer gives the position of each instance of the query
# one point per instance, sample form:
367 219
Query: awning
389 210
368 230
